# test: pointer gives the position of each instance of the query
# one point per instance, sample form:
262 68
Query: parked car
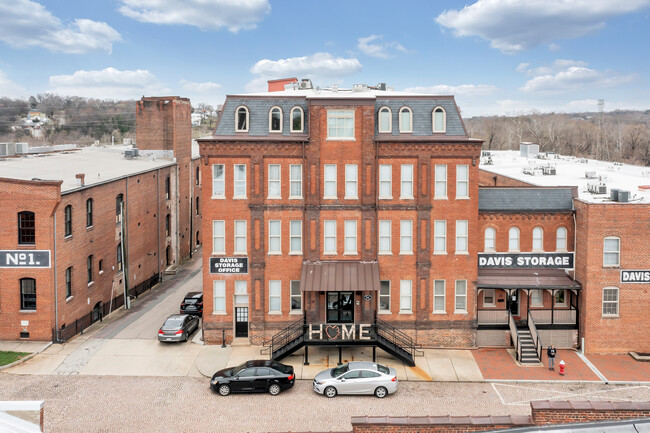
178 327
192 303
359 377
254 376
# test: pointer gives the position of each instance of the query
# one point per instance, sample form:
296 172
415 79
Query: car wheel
224 390
330 392
381 392
274 389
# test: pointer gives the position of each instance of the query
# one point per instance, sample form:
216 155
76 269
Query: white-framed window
241 292
240 181
219 237
295 180
274 181
438 296
612 251
439 119
441 181
440 237
407 181
240 237
385 120
406 296
329 237
351 181
462 181
297 119
538 239
219 297
560 239
560 298
275 238
405 120
490 239
295 235
385 228
329 180
384 295
610 301
350 237
275 296
218 181
385 181
513 239
461 296
241 119
536 298
461 236
406 237
340 124
488 298
296 296
275 119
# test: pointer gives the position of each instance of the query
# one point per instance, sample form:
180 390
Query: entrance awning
341 276
525 279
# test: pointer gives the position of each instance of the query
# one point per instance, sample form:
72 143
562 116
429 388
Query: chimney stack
81 177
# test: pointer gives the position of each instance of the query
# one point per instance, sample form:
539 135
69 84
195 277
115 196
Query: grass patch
9 357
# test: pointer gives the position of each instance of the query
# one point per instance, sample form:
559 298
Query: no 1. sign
25 259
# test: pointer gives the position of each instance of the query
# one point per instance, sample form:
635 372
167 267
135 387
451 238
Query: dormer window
275 119
241 119
296 119
385 120
439 120
405 120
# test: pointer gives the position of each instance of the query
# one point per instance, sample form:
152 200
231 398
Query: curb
26 358
612 382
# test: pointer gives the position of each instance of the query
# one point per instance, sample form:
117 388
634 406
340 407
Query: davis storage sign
526 261
635 276
228 265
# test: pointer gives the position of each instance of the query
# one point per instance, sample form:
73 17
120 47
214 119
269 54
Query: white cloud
568 75
24 24
206 92
108 83
234 15
315 66
382 50
10 89
462 90
206 87
516 25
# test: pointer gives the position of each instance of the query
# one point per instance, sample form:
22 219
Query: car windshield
336 372
173 322
235 370
383 369
190 300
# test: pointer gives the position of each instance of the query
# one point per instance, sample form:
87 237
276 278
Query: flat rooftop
99 164
586 174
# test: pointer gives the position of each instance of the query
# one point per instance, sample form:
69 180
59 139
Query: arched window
119 257
89 212
67 217
275 119
26 228
439 120
385 120
538 239
241 119
560 239
197 207
167 188
27 294
612 251
513 239
490 239
119 201
405 120
297 119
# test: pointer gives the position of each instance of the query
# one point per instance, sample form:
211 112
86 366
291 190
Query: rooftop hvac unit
591 175
381 86
623 196
549 170
597 188
528 149
131 153
11 148
613 194
3 149
22 148
359 87
305 83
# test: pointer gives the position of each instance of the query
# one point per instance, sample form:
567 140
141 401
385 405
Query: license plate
168 339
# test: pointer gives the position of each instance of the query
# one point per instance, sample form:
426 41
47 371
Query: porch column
552 305
527 304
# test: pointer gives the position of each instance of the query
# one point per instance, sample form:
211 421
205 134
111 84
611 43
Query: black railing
397 338
514 334
535 336
286 336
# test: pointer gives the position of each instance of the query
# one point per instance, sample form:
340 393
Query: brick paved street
159 404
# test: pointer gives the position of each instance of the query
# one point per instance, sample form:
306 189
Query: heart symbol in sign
335 331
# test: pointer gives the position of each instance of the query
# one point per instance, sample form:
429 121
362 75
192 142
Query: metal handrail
396 337
287 335
534 334
514 335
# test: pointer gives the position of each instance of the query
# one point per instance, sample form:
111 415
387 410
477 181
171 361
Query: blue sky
496 56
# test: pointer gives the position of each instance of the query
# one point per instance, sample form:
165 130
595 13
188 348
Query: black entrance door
340 307
514 302
241 321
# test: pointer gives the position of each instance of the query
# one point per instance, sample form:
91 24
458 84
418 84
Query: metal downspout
56 287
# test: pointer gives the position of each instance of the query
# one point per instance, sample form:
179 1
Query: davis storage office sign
228 265
635 276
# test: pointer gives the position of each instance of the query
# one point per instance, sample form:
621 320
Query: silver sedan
359 377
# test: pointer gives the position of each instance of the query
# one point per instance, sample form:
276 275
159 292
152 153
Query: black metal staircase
528 352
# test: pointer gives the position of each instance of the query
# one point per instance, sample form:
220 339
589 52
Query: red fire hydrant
562 365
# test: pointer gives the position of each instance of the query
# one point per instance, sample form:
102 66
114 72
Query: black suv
192 304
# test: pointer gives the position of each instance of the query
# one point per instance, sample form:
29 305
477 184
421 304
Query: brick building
81 227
